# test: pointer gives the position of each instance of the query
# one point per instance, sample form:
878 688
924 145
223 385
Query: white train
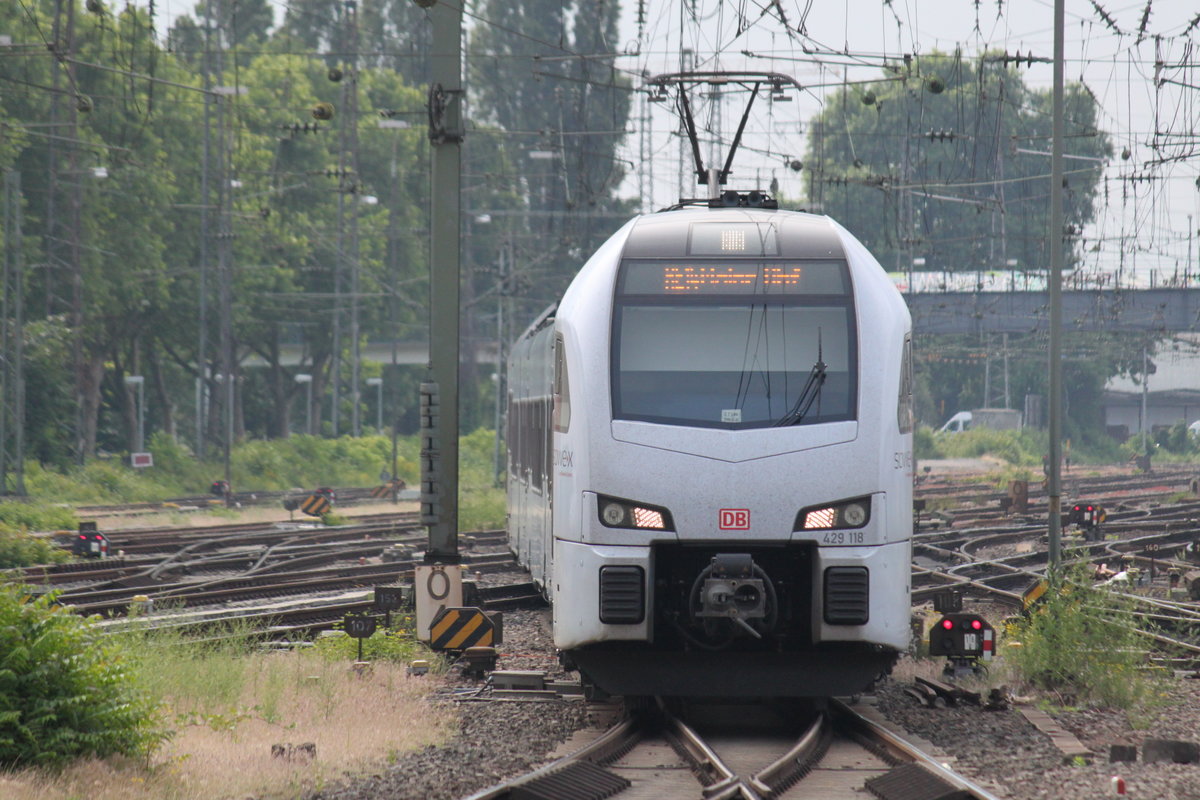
710 458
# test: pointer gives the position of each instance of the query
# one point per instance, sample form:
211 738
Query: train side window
562 389
904 408
519 429
536 427
512 423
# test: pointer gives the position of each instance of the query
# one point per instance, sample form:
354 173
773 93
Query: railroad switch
519 680
397 552
476 661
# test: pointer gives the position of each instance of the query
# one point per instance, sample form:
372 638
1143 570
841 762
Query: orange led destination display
733 277
699 278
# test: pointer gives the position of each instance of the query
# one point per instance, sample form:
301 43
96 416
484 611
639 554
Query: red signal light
976 624
948 624
1089 508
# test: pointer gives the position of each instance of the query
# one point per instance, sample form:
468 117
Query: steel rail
607 747
872 734
720 782
793 765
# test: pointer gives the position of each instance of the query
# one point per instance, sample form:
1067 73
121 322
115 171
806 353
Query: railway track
977 549
742 752
989 555
303 615
279 577
347 496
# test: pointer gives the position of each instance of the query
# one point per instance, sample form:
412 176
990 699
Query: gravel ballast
999 750
1008 756
496 740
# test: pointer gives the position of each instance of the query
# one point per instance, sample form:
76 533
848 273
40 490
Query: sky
1146 230
1144 226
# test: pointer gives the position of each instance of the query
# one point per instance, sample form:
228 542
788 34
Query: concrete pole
445 135
1145 426
12 337
1055 238
141 414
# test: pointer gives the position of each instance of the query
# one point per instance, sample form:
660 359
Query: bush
1024 447
99 481
925 444
1080 643
399 646
19 549
37 517
64 691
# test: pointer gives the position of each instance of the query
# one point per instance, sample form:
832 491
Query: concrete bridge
1155 310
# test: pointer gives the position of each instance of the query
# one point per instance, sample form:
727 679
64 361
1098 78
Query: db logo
734 519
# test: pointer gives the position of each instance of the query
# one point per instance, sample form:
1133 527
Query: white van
960 422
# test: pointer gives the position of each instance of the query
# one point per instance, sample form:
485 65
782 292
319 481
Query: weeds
1079 645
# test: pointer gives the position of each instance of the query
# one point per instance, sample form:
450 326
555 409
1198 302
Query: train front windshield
734 344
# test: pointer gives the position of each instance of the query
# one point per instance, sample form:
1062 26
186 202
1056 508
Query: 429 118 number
843 537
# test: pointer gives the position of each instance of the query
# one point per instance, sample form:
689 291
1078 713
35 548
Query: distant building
1172 393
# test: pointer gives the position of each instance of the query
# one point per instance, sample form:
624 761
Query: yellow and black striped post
315 505
460 628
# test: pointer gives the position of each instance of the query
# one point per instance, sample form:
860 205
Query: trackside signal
1088 517
963 638
90 544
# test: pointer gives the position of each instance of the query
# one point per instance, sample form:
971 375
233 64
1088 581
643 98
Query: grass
229 703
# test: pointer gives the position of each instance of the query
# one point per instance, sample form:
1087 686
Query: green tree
946 160
390 34
542 72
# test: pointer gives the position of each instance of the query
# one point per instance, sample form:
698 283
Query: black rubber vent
579 780
622 596
914 782
847 596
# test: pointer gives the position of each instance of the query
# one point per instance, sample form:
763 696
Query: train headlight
616 513
613 515
853 513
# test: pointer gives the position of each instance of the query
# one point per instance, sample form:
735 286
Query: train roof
785 234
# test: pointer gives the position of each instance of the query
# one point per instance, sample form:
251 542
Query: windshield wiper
810 392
